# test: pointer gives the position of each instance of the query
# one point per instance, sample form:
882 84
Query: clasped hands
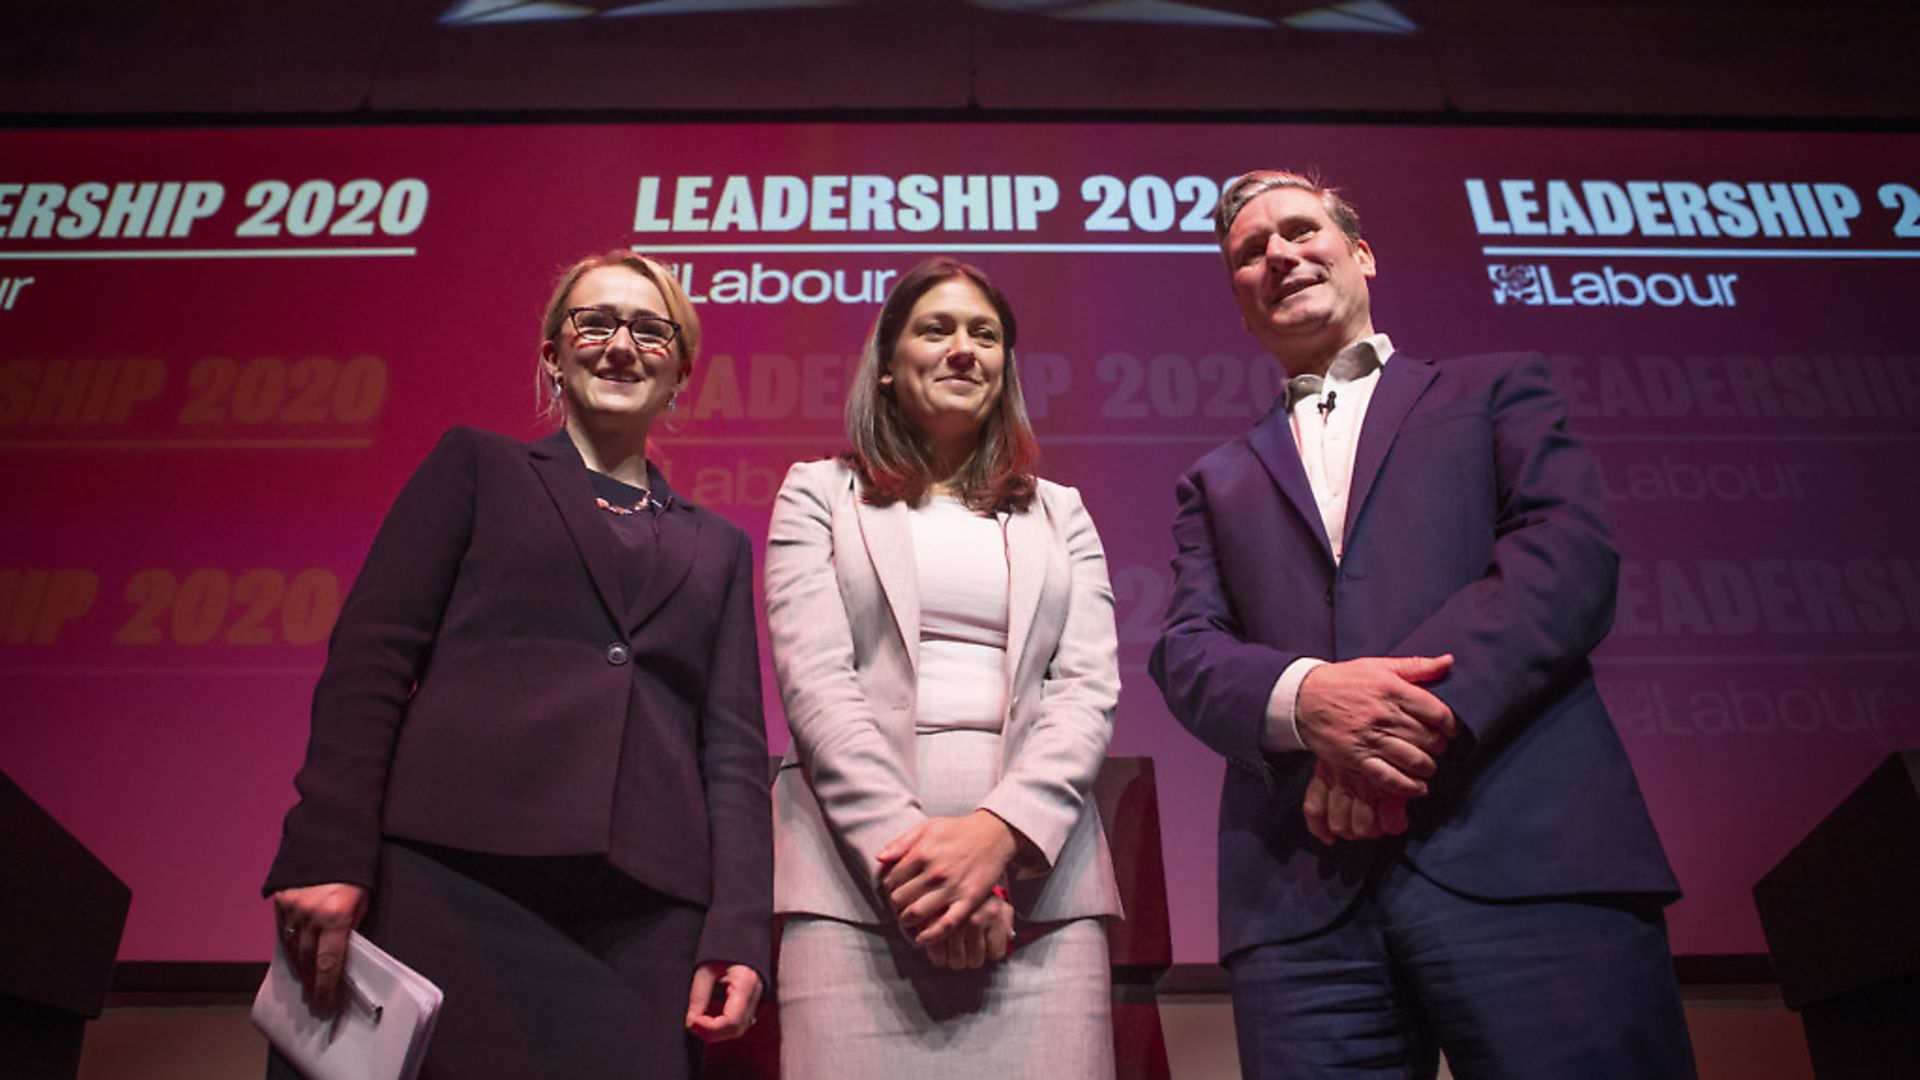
940 876
1376 732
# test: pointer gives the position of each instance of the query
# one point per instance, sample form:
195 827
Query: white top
961 560
1326 430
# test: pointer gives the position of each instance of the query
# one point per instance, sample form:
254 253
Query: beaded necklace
647 503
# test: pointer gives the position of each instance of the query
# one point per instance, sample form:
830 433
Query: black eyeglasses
597 326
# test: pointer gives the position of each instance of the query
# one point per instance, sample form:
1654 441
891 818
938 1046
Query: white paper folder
382 1028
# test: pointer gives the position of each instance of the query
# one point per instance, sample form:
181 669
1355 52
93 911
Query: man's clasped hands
1377 734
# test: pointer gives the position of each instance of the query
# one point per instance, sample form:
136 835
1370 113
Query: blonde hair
679 309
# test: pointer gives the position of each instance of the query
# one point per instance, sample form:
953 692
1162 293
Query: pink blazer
844 616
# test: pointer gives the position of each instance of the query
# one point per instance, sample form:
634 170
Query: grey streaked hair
1251 185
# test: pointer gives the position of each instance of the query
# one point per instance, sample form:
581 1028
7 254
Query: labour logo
1535 285
1516 284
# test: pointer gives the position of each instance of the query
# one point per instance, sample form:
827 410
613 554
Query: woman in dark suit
942 627
537 763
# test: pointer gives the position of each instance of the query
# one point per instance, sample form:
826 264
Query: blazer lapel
889 539
679 534
1402 381
558 466
1028 535
1272 442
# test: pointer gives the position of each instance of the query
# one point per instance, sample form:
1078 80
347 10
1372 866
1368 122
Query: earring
674 401
556 386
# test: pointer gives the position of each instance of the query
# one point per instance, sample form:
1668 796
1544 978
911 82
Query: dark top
498 682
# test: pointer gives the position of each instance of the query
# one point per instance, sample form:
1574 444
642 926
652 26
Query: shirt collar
1357 361
1360 359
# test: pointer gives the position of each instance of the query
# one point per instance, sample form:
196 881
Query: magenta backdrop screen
222 351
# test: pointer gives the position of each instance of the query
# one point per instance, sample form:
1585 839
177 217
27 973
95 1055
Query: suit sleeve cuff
1280 733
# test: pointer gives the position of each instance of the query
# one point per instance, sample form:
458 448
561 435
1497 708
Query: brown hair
891 455
1250 186
679 309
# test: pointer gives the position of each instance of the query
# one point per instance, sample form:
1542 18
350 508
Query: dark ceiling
1405 59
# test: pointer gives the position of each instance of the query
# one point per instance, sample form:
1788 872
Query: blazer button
618 654
1329 592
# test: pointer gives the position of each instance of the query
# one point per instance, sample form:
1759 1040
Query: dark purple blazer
487 688
1473 527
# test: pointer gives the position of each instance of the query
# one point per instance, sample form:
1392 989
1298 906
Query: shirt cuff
1281 733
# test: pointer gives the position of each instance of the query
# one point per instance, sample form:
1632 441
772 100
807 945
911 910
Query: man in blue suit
1384 599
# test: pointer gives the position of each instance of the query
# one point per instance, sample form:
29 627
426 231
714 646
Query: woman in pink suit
942 627
537 768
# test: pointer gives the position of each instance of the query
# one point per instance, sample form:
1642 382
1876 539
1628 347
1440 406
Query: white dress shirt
1326 422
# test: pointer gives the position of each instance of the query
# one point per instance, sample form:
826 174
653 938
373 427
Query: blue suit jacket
1474 527
489 687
